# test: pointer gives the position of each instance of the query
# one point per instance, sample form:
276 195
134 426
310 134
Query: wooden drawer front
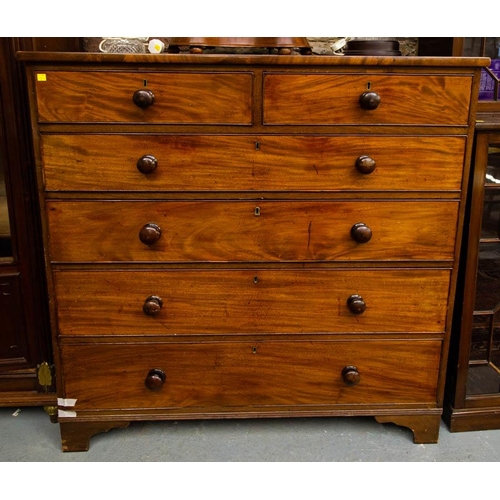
250 301
99 96
329 99
248 163
250 374
219 231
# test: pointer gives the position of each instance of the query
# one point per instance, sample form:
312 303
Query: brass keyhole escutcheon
256 211
256 279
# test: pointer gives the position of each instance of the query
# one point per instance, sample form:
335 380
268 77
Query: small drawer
371 99
109 162
233 301
137 97
257 231
235 376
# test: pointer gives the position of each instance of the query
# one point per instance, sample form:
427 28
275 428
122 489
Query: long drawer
178 98
233 301
109 162
249 375
222 231
330 99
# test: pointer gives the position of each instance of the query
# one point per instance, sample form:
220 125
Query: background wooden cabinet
25 350
473 385
472 398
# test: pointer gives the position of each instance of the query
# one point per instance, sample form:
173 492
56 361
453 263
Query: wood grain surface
334 99
108 162
95 96
250 301
230 231
252 374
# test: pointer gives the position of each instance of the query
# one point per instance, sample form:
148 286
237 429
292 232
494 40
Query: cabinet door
24 340
484 356
473 378
5 235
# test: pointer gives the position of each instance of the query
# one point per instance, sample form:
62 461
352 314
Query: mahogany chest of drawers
247 236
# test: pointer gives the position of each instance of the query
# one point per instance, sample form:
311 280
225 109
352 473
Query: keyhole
145 83
257 211
256 279
369 85
254 350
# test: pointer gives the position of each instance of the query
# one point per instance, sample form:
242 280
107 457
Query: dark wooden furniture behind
233 236
472 396
473 387
26 365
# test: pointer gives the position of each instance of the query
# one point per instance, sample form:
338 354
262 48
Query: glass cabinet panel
478 47
5 235
484 369
490 77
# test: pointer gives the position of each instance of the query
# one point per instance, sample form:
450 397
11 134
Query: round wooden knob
143 98
150 234
361 233
369 100
155 379
152 305
350 375
356 304
147 164
365 164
